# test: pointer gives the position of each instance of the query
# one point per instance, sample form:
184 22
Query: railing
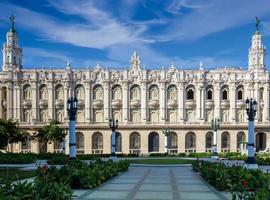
225 150
97 151
208 150
25 150
79 151
172 150
58 150
134 151
190 150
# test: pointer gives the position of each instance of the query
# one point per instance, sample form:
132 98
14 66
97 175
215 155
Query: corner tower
12 53
256 56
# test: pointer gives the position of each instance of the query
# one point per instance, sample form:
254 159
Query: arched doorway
153 142
118 142
260 141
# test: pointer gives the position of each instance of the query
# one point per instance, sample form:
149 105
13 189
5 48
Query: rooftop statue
258 21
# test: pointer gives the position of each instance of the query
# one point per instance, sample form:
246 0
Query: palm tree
48 134
10 133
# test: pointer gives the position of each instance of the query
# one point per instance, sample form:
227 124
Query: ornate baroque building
144 102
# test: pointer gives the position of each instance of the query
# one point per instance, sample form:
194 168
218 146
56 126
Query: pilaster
181 101
144 100
125 102
232 98
162 100
107 97
9 101
217 99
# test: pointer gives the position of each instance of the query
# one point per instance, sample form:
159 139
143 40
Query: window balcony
153 103
172 103
190 103
225 104
135 103
4 103
59 103
98 103
43 103
26 103
209 104
116 103
80 104
240 104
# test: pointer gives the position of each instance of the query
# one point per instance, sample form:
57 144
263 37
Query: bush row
242 183
52 183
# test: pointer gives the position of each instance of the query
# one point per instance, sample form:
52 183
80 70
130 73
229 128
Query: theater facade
144 102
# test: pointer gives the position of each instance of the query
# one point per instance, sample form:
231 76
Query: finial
12 19
258 21
201 65
68 65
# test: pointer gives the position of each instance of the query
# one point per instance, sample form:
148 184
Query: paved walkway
157 183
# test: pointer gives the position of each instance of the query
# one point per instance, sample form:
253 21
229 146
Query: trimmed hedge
242 183
17 158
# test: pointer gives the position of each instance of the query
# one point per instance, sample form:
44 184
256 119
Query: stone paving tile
193 188
198 196
154 195
156 180
125 180
118 187
157 187
78 193
107 195
189 181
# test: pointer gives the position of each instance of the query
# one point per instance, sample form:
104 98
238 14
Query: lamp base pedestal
251 166
214 157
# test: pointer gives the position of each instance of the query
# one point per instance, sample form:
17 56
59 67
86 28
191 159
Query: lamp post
72 111
113 125
166 132
251 108
215 126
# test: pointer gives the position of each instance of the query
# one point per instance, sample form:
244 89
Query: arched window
190 94
79 141
153 142
190 116
134 141
79 92
209 94
60 116
172 116
57 145
224 94
208 140
27 145
98 92
241 137
225 140
172 92
27 115
98 117
135 92
97 141
135 116
190 141
154 116
153 92
172 140
43 92
261 93
116 92
59 92
80 116
44 116
118 142
27 92
117 115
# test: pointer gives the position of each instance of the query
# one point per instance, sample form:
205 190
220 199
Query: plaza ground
154 182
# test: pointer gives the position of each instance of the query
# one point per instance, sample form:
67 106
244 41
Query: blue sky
183 32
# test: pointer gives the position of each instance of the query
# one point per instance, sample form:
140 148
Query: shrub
17 158
243 183
199 155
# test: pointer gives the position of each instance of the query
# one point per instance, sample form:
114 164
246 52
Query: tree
49 133
10 133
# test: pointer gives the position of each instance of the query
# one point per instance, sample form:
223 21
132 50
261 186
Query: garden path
154 182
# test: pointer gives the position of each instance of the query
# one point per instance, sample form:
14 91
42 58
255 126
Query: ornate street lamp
215 126
72 106
251 108
166 132
113 124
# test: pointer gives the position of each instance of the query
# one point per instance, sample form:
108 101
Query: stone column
125 102
35 100
181 101
87 102
266 103
217 99
9 101
66 96
16 101
51 100
144 100
107 100
256 96
1 102
162 100
203 109
232 99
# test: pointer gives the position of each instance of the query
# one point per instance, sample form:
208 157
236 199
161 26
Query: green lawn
162 161
14 173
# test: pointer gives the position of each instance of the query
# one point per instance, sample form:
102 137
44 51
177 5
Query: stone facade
144 102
